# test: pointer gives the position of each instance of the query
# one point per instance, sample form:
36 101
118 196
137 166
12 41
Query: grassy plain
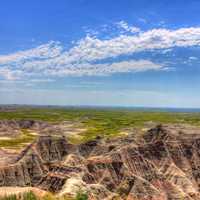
98 122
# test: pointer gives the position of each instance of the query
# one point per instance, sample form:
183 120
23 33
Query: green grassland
17 142
98 122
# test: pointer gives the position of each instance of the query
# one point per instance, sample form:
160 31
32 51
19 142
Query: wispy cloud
87 69
45 51
143 20
124 25
193 58
93 49
52 60
48 80
10 74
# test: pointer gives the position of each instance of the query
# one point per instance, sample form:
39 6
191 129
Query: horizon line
103 106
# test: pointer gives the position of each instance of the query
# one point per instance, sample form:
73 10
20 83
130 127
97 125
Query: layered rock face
33 166
13 128
163 164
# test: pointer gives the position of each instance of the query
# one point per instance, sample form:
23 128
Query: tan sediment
6 191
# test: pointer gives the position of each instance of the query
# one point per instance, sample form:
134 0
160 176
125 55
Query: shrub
49 197
29 196
10 197
81 196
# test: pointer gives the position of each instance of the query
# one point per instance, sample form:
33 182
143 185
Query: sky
100 52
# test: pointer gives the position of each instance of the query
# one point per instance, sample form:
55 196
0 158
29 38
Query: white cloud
47 80
42 69
193 58
9 74
45 51
52 59
166 51
90 48
87 69
126 27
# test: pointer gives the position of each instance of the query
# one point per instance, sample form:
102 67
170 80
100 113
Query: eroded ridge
162 164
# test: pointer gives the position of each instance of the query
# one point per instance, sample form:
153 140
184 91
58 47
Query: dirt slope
163 164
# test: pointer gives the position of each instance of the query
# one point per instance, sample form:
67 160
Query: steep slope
163 164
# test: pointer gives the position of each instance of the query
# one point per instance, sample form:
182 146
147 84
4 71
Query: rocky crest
164 164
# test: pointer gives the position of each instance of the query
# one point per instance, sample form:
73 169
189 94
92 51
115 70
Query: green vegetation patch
31 196
98 122
17 142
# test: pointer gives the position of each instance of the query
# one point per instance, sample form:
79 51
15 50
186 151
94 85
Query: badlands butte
97 154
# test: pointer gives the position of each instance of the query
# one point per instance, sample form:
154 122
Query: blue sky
89 52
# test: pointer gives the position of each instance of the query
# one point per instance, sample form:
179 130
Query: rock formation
163 164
